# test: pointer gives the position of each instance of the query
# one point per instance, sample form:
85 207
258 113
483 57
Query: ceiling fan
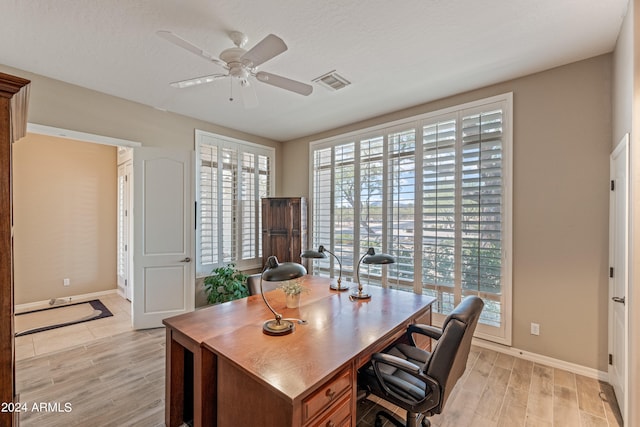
241 65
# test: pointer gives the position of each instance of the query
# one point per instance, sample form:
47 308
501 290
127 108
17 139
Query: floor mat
56 317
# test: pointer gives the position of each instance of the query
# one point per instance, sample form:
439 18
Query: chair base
413 420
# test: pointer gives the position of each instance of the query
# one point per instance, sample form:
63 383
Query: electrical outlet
66 282
535 329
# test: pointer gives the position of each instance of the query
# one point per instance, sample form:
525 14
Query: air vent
332 81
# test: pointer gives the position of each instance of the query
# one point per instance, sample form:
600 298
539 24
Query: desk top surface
336 332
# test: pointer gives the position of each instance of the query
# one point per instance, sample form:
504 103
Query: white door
619 283
124 229
164 279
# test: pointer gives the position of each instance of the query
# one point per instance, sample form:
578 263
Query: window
232 176
434 191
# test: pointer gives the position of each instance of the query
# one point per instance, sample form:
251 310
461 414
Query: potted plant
225 284
292 290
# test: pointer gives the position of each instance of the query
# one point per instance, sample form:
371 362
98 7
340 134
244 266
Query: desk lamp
370 257
274 271
320 253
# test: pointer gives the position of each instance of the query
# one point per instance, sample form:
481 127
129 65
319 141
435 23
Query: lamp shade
278 272
321 253
370 257
313 254
378 259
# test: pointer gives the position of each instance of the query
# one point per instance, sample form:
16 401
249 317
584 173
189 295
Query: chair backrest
449 357
253 284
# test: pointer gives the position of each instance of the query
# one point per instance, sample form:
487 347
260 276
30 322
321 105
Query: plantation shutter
481 208
438 211
208 204
400 220
322 210
232 178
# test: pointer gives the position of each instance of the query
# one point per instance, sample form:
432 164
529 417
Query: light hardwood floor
118 380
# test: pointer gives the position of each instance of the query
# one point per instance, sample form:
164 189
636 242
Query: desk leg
205 389
174 393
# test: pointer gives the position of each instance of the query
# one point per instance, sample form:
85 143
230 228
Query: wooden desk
219 359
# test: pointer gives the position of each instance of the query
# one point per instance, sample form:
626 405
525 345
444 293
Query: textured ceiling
396 54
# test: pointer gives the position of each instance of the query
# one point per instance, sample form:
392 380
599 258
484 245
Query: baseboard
72 298
544 360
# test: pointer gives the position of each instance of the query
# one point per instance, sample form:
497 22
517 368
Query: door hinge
613 185
125 283
611 272
610 359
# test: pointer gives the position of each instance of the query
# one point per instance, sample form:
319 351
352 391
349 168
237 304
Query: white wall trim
80 136
544 360
73 298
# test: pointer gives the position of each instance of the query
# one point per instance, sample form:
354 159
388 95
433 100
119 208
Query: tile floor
70 336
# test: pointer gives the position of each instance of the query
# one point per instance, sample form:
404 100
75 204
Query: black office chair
253 284
419 381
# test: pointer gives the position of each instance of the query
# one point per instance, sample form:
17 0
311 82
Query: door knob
618 299
187 259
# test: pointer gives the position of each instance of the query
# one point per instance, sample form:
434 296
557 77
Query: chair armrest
427 330
396 362
405 366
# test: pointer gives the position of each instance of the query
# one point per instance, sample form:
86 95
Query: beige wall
64 204
562 140
62 105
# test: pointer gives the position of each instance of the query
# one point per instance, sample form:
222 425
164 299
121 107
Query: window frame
226 142
502 334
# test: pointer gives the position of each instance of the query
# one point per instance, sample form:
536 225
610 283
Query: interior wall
562 141
67 106
626 108
64 204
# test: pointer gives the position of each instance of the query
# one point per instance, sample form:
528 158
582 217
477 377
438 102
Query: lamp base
358 294
272 327
335 286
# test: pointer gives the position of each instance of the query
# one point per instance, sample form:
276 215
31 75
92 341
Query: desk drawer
340 416
326 395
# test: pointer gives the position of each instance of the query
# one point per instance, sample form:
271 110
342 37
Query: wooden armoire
14 97
284 228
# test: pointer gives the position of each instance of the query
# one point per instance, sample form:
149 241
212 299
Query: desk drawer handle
331 424
330 394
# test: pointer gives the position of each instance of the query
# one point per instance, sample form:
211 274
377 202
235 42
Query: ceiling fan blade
249 98
269 47
180 42
197 81
284 83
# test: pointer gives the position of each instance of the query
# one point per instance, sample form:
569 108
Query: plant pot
293 300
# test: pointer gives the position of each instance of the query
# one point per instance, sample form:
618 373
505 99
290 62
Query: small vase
293 300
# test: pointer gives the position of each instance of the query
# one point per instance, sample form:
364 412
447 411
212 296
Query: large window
434 191
232 177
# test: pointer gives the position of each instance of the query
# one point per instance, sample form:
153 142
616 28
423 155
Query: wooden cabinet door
284 225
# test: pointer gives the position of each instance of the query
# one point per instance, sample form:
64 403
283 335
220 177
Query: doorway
65 233
619 275
160 227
